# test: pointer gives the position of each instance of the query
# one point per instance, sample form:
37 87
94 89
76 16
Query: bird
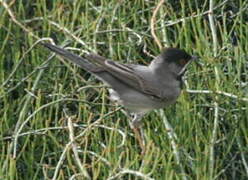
139 88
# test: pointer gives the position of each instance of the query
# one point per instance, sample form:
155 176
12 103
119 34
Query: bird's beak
196 60
193 59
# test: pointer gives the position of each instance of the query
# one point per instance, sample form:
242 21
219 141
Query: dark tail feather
81 62
97 70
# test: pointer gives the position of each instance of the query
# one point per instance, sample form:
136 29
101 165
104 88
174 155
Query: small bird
138 88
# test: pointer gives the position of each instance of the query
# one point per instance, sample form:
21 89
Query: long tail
81 62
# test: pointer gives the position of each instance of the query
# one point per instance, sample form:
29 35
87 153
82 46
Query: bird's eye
183 62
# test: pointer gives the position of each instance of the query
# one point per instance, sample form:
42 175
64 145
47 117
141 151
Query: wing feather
126 74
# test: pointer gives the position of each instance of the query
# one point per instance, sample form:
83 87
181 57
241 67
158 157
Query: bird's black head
176 59
175 55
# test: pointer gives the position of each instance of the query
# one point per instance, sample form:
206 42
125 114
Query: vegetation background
56 121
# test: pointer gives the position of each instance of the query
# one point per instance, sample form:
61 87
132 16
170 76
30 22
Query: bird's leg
136 121
139 135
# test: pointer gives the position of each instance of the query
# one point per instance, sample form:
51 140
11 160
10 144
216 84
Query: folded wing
127 74
110 71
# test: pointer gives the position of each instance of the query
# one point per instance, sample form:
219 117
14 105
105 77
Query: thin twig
95 123
213 141
226 168
68 32
77 176
21 126
134 33
172 136
216 107
218 92
98 25
163 29
61 160
129 171
243 157
42 131
212 26
110 38
24 110
11 14
146 51
124 136
13 18
34 132
89 127
99 157
74 147
171 23
21 61
153 21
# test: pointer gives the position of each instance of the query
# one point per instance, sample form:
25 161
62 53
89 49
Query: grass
56 121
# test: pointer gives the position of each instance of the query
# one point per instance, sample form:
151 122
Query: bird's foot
138 132
136 124
136 120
